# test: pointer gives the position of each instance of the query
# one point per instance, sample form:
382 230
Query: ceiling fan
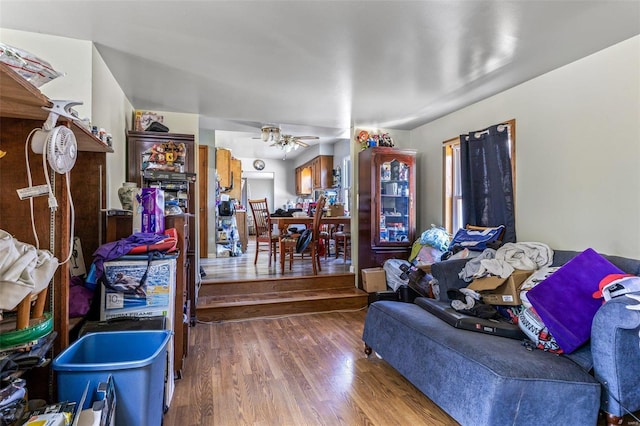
285 142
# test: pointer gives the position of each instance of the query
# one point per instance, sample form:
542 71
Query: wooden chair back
317 217
261 218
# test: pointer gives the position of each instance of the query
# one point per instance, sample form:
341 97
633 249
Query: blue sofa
482 379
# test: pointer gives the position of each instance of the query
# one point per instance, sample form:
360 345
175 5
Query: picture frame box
143 119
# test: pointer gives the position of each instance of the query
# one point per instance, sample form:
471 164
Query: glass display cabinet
386 208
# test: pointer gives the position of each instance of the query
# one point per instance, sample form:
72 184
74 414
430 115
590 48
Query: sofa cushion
446 275
564 300
629 266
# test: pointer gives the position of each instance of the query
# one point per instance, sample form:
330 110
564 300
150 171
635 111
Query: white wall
207 137
178 122
112 111
577 153
283 181
87 79
69 56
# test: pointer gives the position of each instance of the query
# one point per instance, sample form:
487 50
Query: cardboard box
336 210
374 279
126 290
501 291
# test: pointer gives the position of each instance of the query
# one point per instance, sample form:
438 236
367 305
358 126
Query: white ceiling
319 67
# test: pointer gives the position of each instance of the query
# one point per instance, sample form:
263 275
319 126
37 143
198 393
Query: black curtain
487 185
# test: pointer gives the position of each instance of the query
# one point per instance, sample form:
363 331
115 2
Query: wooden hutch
21 111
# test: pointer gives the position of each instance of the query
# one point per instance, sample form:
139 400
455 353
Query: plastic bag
33 69
395 273
436 237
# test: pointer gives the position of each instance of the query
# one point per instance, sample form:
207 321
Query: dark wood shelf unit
139 142
21 111
119 227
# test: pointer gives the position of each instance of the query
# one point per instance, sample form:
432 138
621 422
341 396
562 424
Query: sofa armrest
446 273
615 346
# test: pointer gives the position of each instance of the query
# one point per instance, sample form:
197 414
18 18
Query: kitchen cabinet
322 169
303 180
315 174
229 171
386 208
235 192
241 223
176 177
223 167
20 112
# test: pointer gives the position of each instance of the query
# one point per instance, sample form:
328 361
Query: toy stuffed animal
386 140
362 138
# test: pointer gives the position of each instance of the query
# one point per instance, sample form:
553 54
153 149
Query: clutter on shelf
35 70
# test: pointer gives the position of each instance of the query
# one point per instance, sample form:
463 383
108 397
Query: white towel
526 256
24 270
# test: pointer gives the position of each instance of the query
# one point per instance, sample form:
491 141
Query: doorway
259 185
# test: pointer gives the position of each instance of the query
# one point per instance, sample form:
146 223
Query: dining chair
325 236
342 240
291 244
263 228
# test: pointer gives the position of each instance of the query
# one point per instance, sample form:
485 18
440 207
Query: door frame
203 191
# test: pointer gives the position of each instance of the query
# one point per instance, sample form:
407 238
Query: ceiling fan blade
306 137
302 144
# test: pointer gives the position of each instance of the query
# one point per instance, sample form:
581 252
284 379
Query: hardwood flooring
242 267
235 288
294 370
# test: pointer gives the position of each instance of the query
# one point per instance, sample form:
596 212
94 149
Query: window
452 192
346 183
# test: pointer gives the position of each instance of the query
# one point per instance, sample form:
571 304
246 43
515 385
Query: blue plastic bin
137 360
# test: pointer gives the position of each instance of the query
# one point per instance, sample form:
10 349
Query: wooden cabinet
243 231
182 307
322 170
229 171
21 112
180 181
303 180
119 227
386 212
315 174
235 192
223 167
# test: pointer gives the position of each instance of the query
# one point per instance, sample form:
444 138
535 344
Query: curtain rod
479 133
454 141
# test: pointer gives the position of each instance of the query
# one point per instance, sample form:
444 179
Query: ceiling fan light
270 134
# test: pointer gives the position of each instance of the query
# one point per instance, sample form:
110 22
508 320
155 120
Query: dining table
284 222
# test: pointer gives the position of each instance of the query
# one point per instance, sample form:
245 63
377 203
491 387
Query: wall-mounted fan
57 143
59 149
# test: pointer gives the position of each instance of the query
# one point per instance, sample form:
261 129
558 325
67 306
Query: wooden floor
235 288
242 267
296 370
